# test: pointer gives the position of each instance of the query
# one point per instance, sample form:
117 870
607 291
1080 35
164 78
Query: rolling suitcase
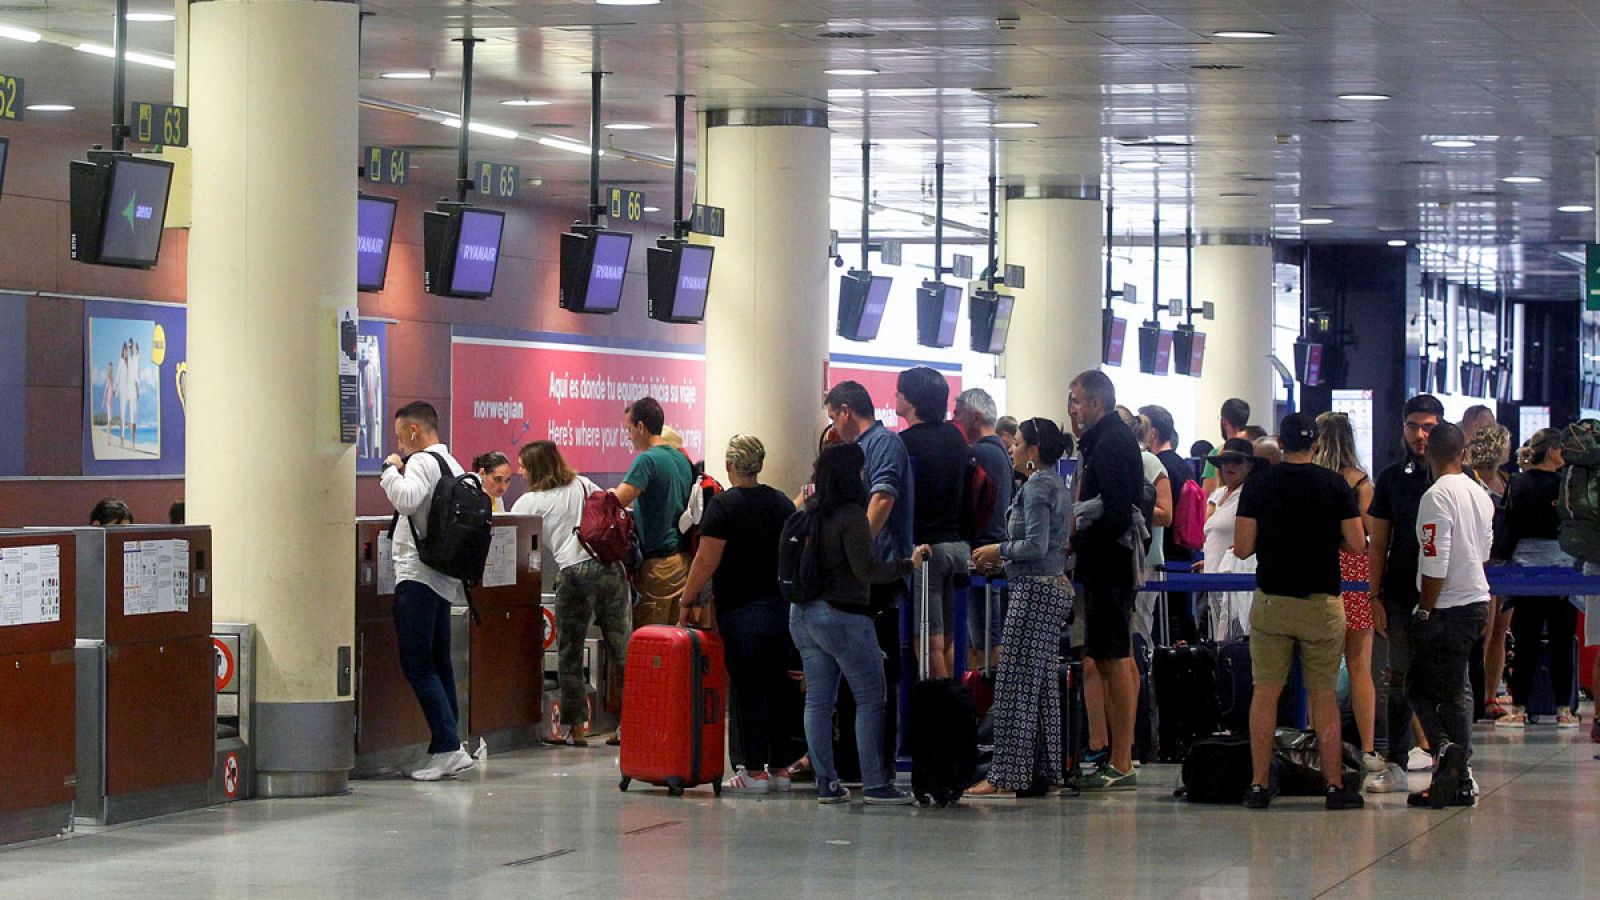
944 730
674 707
1186 697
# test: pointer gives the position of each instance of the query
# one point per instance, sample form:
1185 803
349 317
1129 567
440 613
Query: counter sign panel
11 102
159 123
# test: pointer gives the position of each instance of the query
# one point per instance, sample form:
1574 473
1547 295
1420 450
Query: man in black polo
1392 560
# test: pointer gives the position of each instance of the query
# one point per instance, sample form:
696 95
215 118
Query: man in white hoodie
423 595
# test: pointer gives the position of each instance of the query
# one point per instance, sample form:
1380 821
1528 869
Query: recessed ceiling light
482 128
1454 144
20 34
1575 208
406 75
1398 242
861 71
149 17
627 126
133 56
626 2
652 209
1015 124
1371 97
1316 221
525 102
50 107
1244 33
1137 164
1522 179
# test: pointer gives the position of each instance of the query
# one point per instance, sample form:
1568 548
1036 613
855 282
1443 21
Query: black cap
1235 450
1297 432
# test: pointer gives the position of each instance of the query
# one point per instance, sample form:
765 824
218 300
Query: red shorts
1357 604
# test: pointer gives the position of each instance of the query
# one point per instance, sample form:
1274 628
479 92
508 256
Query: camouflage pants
589 592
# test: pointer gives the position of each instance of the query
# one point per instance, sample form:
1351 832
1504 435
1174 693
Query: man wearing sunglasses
1392 559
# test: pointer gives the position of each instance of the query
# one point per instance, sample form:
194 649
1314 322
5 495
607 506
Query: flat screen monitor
862 300
1163 352
594 265
679 277
5 147
938 312
1308 359
118 209
1002 323
374 230
1188 352
990 313
1155 349
1114 337
477 252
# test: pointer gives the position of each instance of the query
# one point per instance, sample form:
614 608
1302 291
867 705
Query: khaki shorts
1316 623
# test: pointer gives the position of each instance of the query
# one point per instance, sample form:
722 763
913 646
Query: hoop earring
1032 465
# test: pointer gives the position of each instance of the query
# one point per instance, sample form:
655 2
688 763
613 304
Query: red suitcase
674 705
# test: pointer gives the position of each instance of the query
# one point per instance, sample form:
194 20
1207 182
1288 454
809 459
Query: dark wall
34 260
1364 290
1550 358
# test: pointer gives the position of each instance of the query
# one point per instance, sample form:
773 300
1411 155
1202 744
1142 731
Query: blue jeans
834 643
422 624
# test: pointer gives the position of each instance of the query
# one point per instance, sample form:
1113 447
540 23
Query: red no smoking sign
225 664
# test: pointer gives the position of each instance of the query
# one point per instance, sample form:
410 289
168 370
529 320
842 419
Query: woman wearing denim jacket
1027 699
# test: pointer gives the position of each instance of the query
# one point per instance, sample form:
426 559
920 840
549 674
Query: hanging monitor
1155 349
990 315
678 278
118 209
5 147
374 230
1188 351
1308 361
938 311
461 250
594 264
862 298
1113 337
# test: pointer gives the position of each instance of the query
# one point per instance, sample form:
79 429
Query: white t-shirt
559 509
1455 528
1154 470
411 493
1219 528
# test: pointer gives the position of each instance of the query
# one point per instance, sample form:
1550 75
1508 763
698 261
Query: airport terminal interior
257 260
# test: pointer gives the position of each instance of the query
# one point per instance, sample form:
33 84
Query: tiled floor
547 822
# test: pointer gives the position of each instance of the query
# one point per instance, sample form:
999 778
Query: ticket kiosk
497 656
38 713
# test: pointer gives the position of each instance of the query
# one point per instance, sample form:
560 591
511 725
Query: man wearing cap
1295 516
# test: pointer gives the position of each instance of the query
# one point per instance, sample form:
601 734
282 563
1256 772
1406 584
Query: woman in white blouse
1230 610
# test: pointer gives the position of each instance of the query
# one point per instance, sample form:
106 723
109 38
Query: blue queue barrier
1504 581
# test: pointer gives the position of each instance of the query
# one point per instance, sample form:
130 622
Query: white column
767 322
1237 277
271 258
1055 325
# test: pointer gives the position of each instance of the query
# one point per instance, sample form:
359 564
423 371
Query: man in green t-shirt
1234 417
657 487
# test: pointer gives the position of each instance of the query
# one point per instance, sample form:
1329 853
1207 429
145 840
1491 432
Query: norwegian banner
879 375
510 388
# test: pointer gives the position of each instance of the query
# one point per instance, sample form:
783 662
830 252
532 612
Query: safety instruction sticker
155 577
501 568
30 585
385 564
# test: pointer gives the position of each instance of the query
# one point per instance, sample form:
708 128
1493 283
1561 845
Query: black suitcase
1074 718
1233 686
1217 770
1147 719
943 730
1186 697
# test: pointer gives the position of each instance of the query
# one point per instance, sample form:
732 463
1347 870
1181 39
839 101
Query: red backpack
606 529
1189 516
979 495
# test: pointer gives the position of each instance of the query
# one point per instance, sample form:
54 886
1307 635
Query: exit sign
1592 278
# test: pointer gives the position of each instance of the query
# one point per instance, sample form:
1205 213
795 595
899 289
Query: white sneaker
1373 763
745 783
443 765
1392 780
1420 760
1472 784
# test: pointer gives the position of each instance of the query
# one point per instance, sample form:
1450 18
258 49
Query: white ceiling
1269 140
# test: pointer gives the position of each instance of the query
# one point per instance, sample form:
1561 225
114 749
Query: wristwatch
1422 615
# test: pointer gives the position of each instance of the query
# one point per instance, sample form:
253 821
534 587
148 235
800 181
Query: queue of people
1296 507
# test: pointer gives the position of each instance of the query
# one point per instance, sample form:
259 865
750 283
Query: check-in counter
497 660
38 710
146 734
602 682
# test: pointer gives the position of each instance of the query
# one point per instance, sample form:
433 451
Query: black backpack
460 525
799 570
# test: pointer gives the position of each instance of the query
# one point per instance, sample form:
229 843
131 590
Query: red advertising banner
879 377
507 392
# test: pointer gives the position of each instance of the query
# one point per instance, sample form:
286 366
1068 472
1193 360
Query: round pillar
272 87
1056 233
1235 272
767 320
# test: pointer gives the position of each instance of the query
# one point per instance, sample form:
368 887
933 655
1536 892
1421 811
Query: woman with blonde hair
1488 449
1336 449
587 590
738 561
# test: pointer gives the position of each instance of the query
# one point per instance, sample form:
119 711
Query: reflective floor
545 821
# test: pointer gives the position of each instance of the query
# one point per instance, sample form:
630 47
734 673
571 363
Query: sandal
985 790
1566 719
1512 720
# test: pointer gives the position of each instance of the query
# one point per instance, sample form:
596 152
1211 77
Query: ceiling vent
1332 121
1021 97
1216 67
841 34
1419 162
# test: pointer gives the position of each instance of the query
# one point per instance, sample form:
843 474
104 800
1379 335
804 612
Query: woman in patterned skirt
1336 450
1027 697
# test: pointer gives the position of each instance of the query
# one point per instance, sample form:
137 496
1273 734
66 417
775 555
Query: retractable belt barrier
1504 581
